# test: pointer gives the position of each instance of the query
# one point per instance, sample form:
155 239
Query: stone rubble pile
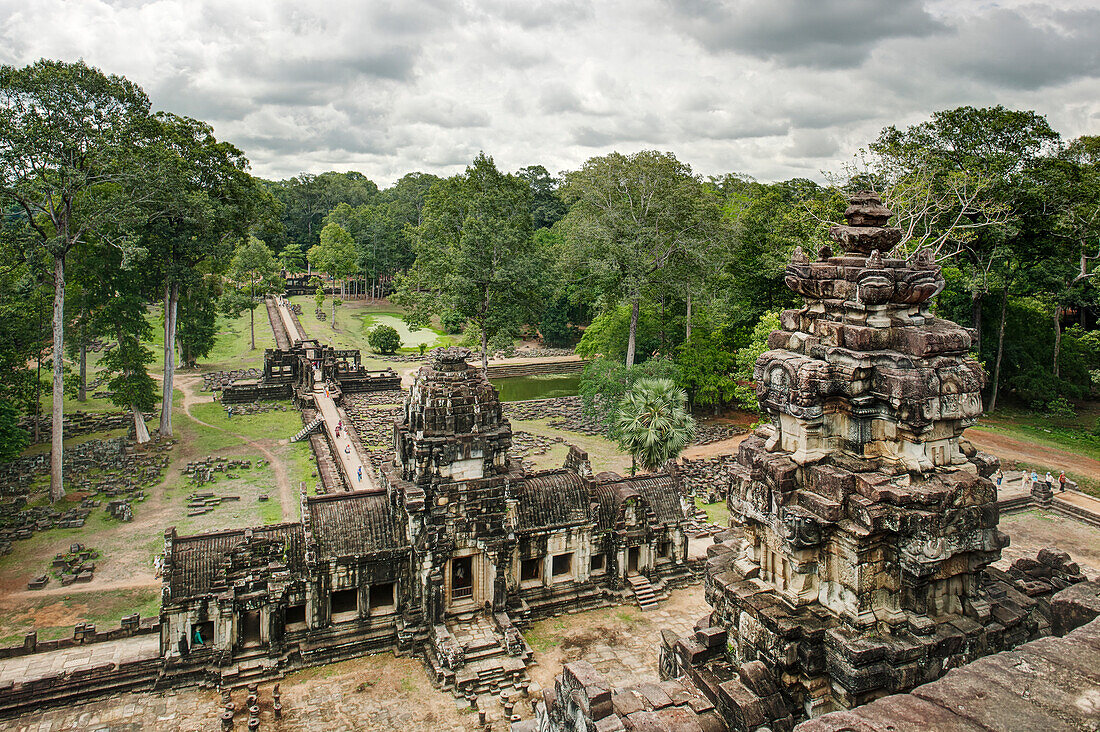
708 479
248 408
82 423
115 469
218 380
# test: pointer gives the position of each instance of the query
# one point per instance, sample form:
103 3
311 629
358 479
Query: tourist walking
1049 479
1034 477
1062 482
999 477
360 473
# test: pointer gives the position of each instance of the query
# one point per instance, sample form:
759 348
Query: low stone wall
83 634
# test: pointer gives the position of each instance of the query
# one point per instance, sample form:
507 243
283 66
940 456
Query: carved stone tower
867 518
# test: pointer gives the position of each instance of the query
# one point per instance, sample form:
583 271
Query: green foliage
292 258
608 335
197 320
319 298
652 422
384 339
604 382
707 368
13 438
745 389
634 223
452 322
474 254
555 328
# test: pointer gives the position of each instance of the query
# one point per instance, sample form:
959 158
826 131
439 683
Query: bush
1060 407
555 328
384 339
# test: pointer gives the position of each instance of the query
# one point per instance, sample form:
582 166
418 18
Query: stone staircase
482 658
643 591
308 430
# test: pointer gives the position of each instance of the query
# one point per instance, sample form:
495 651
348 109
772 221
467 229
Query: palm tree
653 424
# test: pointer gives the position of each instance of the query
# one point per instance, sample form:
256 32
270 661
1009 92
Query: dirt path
287 495
722 447
1009 449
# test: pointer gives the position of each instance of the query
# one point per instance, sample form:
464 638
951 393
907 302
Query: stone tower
868 520
451 473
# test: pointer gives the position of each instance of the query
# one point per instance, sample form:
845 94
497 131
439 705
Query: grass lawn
717 513
355 319
54 616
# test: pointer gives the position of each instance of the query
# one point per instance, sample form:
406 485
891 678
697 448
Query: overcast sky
769 88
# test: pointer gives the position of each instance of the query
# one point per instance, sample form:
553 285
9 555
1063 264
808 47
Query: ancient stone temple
457 547
868 521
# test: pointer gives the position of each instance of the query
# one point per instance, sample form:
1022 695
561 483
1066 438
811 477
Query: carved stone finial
824 253
866 229
875 260
799 256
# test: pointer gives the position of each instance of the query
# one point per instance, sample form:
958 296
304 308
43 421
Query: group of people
347 447
1030 479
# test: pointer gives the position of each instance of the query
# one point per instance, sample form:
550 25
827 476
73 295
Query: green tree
605 380
253 268
707 368
292 258
474 255
653 423
68 135
335 255
547 207
384 338
201 198
745 361
629 217
995 147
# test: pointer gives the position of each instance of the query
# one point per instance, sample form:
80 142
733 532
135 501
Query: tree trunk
57 487
252 315
1057 337
1000 351
484 349
687 325
82 388
976 318
141 432
634 307
38 383
171 301
334 308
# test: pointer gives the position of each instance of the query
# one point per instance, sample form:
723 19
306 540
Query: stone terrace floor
388 694
50 663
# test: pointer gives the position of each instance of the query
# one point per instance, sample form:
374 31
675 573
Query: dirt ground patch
1009 449
1035 529
622 642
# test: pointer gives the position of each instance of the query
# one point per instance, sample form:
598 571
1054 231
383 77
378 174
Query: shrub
384 339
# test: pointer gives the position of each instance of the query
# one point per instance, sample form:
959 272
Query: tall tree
254 271
474 255
547 208
335 255
203 198
629 216
67 132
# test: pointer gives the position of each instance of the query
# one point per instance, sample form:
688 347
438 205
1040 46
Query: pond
524 388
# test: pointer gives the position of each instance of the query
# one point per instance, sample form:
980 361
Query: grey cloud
532 14
816 33
1012 50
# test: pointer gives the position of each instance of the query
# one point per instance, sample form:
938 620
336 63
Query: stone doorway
460 582
633 554
250 628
